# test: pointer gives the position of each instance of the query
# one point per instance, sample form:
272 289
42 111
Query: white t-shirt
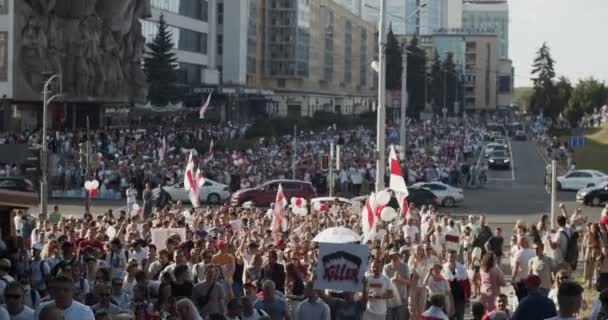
25 314
378 286
76 311
411 232
523 257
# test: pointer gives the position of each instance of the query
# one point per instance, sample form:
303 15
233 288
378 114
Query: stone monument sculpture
97 46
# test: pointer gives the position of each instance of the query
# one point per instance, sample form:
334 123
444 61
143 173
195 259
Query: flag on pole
190 183
279 211
403 204
211 149
396 182
368 217
205 106
200 179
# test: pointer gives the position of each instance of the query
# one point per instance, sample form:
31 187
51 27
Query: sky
575 30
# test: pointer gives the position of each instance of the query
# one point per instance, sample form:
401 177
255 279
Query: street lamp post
404 95
380 163
44 157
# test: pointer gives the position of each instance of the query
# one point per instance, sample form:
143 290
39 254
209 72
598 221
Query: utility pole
553 192
331 169
404 98
381 122
87 165
294 151
44 161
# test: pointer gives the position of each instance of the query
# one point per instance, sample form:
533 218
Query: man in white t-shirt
520 268
380 290
13 296
61 290
410 230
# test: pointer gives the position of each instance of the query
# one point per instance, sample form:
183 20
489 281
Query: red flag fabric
204 107
279 212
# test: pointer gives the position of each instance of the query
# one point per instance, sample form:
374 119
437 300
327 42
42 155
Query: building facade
505 82
96 47
489 16
317 57
480 72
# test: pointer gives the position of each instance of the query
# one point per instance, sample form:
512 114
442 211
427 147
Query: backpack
571 254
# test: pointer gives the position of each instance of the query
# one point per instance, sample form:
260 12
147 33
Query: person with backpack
565 244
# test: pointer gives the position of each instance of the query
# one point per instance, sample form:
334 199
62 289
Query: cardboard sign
341 267
160 235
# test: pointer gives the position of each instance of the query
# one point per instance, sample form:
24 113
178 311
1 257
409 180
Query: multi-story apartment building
489 16
317 56
480 72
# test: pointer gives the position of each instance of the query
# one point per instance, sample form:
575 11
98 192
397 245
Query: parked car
594 196
521 135
493 146
499 159
579 179
211 192
327 200
16 184
448 195
265 194
420 196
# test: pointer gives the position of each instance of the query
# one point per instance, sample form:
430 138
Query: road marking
512 159
500 179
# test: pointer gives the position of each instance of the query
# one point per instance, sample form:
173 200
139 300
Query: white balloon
317 206
388 214
95 184
111 232
88 185
301 211
383 197
135 210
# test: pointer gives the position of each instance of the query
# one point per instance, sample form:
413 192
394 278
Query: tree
436 90
160 66
543 98
588 96
450 83
416 69
394 61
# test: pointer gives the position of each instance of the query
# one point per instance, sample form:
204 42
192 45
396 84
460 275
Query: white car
493 146
211 192
448 195
579 179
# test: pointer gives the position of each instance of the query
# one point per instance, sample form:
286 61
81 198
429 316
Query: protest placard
160 235
341 266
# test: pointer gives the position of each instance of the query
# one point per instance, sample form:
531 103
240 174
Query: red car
266 193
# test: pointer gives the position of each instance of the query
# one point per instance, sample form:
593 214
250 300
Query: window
189 73
195 9
220 44
192 41
3 6
220 13
584 175
504 84
292 186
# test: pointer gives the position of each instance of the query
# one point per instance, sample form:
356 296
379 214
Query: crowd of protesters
232 264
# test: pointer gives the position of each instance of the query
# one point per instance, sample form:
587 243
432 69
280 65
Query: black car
520 135
422 196
499 159
16 184
593 196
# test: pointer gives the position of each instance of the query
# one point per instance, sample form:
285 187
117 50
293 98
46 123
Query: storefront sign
341 267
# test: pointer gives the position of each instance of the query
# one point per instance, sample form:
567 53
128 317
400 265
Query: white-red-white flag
396 182
200 179
368 217
190 183
403 204
205 106
279 211
211 149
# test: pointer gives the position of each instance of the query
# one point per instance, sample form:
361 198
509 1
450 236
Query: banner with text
341 267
